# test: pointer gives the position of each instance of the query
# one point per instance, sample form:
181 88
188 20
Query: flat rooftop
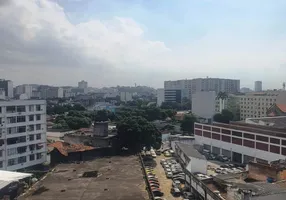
119 178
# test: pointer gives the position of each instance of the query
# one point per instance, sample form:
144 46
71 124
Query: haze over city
119 42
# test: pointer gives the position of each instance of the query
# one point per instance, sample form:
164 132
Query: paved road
166 184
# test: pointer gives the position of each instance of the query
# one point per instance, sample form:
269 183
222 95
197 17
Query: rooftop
116 178
190 151
275 122
7 177
66 148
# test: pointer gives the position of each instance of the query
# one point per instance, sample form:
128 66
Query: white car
168 170
169 175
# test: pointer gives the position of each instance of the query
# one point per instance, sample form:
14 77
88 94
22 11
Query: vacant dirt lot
119 178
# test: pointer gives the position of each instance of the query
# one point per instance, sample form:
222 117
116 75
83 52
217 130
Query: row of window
238 134
21 139
23 159
24 149
247 143
254 99
20 109
19 119
23 129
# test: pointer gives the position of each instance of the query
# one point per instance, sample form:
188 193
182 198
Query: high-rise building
51 92
258 86
7 85
160 96
83 84
24 89
203 104
256 104
192 86
22 134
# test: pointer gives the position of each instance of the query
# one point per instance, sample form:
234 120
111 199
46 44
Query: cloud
39 44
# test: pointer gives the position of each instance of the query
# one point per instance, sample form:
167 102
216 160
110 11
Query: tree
78 122
224 117
187 124
136 132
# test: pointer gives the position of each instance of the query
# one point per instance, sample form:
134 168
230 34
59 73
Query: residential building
204 104
257 86
125 96
24 89
7 85
256 104
52 92
245 90
83 85
160 96
192 86
243 142
231 103
22 133
2 94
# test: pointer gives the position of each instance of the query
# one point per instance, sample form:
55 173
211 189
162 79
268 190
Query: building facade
256 104
192 86
160 96
257 86
22 134
242 142
7 86
174 95
125 96
204 104
24 89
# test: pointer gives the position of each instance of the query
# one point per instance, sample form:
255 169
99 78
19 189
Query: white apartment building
203 104
24 89
160 96
258 86
82 84
229 86
7 85
22 134
256 104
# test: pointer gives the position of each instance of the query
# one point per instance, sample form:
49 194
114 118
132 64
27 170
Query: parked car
168 170
159 198
162 161
175 192
167 154
188 195
223 158
158 152
157 193
171 152
176 183
169 175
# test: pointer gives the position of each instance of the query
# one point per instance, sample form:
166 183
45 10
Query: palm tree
222 96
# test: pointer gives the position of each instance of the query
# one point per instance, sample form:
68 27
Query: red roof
282 107
65 148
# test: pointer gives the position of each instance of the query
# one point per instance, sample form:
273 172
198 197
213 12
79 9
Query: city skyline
109 43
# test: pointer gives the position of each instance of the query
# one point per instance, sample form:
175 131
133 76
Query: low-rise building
243 142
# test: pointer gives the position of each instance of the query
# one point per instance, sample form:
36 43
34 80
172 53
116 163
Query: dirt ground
120 178
166 184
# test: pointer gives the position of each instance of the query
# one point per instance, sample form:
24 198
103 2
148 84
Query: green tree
136 132
187 124
224 117
78 122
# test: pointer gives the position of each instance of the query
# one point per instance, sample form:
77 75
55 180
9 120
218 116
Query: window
274 149
38 107
250 136
22 159
21 119
21 109
11 120
207 134
12 130
262 138
39 156
38 117
284 142
38 136
32 157
198 132
236 133
31 108
32 147
38 126
225 131
225 138
1 153
10 109
12 151
11 162
0 109
21 149
21 129
16 140
215 136
31 118
198 126
1 164
261 146
31 127
207 128
31 137
216 129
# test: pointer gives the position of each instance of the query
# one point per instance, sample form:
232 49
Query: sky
123 42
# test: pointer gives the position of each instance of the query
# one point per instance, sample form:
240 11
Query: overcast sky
122 42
